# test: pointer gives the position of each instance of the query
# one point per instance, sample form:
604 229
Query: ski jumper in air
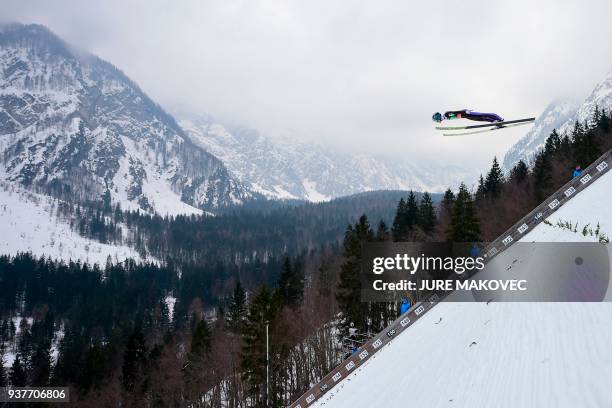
467 114
494 122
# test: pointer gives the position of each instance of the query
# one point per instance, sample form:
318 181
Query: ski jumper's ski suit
471 115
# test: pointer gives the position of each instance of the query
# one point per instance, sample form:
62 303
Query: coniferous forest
188 327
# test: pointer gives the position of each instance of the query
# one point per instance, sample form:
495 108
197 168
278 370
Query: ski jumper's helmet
437 117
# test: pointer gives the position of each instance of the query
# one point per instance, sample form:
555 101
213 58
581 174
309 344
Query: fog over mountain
361 79
286 168
561 114
74 125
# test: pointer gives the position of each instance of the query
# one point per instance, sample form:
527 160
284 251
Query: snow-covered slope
601 96
559 115
28 223
282 168
499 354
76 126
555 115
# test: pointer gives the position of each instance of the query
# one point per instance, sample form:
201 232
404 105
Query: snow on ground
170 302
156 186
28 224
592 206
278 192
10 351
500 354
11 348
312 193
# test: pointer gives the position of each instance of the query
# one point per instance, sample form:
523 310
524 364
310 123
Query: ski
484 130
493 124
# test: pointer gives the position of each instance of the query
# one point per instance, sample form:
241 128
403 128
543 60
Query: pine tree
596 116
118 214
200 339
399 222
41 364
565 147
604 121
291 283
236 314
519 172
3 377
480 191
382 232
577 132
12 329
448 201
67 368
134 359
4 331
412 211
18 376
94 366
164 315
553 143
348 293
406 218
25 346
427 214
106 202
542 176
179 314
586 147
263 310
494 181
465 226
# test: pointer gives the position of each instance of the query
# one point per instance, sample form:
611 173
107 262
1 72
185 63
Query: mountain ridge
291 169
74 125
560 114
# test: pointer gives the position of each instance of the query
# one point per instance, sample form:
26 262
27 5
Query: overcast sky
362 75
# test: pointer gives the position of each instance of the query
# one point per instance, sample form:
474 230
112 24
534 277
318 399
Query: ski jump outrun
495 122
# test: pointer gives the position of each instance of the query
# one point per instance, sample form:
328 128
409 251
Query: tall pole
267 367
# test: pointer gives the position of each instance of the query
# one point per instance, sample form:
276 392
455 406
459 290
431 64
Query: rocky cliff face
72 124
282 168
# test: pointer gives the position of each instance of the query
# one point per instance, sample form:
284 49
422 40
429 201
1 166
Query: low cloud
366 78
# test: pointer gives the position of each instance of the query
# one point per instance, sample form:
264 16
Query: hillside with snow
291 169
76 127
554 116
500 354
29 223
561 115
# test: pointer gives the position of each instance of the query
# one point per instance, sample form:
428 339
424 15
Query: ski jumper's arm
455 114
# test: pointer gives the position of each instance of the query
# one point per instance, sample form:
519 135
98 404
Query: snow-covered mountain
498 354
559 115
554 116
601 96
73 125
283 168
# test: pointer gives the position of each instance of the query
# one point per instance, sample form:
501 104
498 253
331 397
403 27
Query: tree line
118 340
